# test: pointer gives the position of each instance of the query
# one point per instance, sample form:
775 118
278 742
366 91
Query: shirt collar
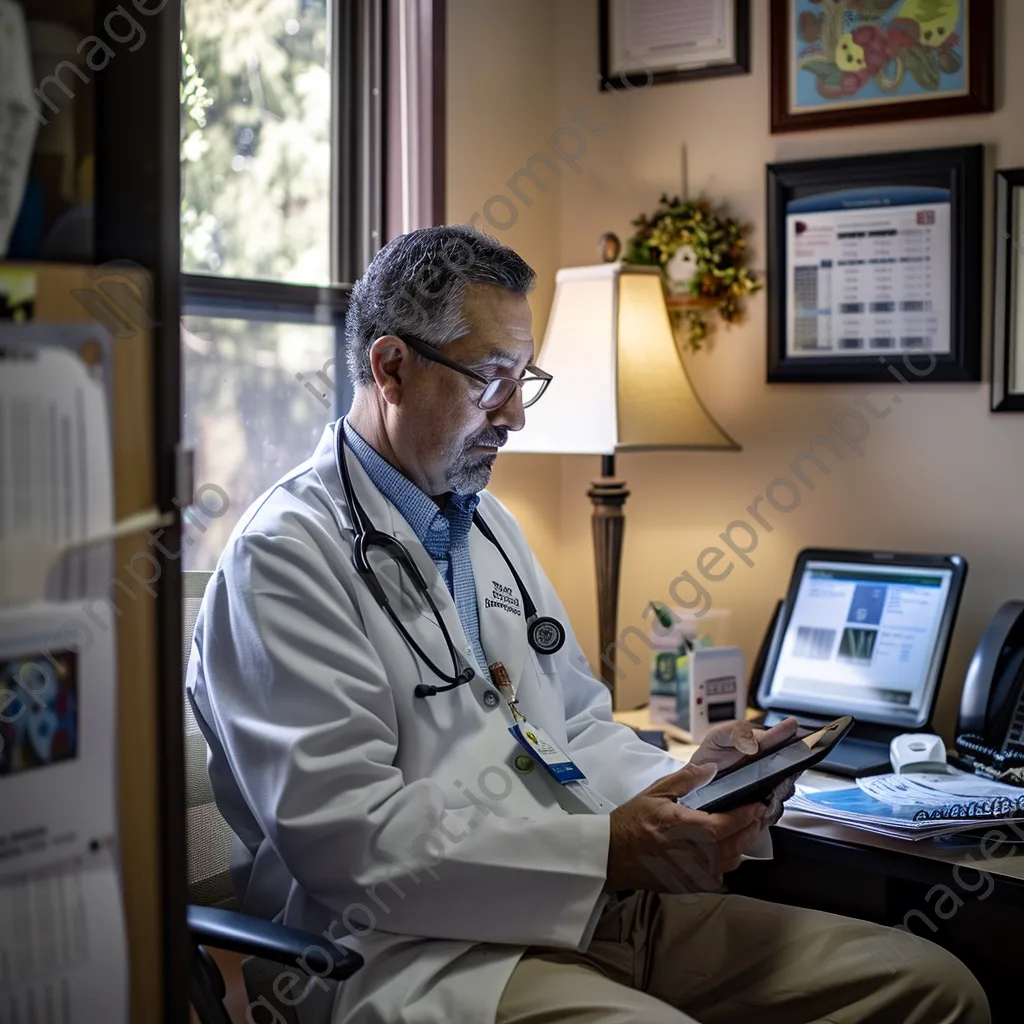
438 531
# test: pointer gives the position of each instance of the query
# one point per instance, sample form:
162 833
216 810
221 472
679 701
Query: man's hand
732 743
659 845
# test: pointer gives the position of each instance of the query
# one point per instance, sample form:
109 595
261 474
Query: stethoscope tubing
545 635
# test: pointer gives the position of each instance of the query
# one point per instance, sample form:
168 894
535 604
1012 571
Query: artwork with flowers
858 61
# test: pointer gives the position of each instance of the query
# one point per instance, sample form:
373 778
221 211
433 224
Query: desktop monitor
865 634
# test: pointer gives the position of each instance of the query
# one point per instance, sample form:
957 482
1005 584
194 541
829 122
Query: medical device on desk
717 688
862 633
544 634
990 727
918 752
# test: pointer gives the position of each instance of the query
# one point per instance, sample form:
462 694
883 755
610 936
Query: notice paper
662 32
57 738
62 935
63 949
868 272
56 475
63 946
19 108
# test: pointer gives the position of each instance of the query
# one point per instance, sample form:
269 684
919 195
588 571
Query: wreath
701 254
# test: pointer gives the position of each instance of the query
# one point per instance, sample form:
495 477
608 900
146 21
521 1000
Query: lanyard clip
504 684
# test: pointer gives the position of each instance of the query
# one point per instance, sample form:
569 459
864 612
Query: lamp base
608 521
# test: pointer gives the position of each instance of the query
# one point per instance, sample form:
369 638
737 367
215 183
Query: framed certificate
672 40
1008 322
875 266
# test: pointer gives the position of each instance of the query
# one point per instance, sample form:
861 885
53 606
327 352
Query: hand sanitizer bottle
669 667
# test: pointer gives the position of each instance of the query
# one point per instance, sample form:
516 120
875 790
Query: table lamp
619 385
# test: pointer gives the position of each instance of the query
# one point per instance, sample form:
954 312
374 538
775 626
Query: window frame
356 33
388 73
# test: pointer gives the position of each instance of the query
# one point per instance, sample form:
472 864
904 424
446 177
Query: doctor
406 738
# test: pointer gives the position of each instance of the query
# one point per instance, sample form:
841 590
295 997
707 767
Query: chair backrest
209 837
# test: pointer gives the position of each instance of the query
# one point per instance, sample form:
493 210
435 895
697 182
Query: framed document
875 267
848 62
673 40
1008 323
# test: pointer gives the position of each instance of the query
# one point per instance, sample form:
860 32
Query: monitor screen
864 639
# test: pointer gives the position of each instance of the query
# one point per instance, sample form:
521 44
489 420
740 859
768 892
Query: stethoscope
544 634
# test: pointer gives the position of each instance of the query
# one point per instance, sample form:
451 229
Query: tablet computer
754 780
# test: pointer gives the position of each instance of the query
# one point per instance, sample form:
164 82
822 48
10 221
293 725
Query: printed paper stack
916 806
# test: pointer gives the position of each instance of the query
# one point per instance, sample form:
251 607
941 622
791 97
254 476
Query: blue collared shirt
443 532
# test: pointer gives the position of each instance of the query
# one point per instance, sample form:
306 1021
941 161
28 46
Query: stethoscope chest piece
545 634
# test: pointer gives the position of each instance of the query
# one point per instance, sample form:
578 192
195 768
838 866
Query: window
252 417
256 140
281 208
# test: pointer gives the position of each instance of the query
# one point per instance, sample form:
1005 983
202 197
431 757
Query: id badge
542 748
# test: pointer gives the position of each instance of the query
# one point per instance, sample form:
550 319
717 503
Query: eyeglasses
497 390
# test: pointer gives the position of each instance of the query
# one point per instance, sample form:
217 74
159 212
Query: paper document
63 956
938 792
922 815
666 31
63 948
56 475
58 771
19 109
654 25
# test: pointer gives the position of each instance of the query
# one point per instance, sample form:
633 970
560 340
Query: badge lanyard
543 749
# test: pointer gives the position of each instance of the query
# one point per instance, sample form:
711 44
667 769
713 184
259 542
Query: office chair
212 921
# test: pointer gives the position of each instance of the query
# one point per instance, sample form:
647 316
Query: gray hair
416 283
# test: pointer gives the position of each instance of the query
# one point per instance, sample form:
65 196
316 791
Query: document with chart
868 271
56 463
63 947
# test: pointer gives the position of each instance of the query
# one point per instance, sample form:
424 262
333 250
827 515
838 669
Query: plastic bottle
669 668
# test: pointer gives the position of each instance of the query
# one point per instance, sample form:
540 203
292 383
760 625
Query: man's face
439 430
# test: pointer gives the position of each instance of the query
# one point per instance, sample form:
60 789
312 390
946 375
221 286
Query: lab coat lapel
325 464
385 517
500 608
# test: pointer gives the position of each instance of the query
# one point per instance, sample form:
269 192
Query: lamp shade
619 383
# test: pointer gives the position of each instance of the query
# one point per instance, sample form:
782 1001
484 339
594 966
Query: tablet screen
762 774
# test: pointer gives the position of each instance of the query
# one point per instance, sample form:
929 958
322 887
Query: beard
469 472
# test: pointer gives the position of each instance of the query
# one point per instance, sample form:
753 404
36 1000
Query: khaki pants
733 960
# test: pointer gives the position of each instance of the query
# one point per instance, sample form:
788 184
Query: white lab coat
333 774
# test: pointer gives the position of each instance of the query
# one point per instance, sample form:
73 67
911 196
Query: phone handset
990 727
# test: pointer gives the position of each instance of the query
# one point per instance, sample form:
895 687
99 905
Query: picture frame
1008 320
875 267
822 77
674 42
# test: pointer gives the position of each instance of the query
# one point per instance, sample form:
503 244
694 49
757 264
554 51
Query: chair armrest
256 936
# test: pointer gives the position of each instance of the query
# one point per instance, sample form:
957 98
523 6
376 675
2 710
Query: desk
955 897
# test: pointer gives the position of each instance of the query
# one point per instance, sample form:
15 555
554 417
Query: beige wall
938 473
502 100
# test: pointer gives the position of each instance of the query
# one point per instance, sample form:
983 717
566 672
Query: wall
501 108
939 471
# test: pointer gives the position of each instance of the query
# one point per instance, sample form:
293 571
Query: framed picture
672 41
847 62
875 267
1008 323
